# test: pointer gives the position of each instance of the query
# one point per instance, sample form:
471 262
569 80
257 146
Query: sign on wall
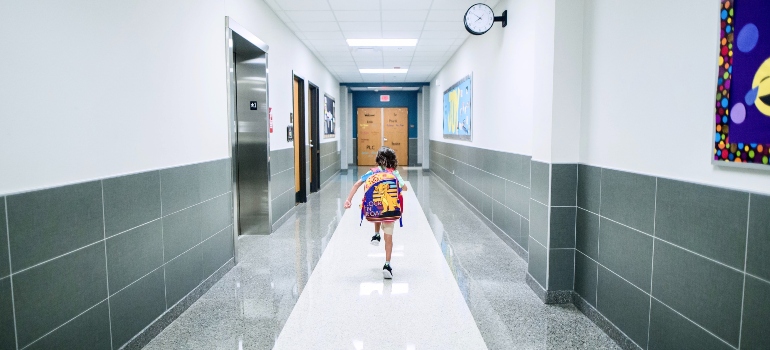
742 121
458 111
329 120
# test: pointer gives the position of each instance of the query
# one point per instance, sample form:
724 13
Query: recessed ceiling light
382 42
382 71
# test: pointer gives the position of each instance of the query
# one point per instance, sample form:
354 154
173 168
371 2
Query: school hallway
316 283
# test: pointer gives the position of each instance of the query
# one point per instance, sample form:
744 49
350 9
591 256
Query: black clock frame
502 18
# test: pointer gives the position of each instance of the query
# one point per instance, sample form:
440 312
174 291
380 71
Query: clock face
479 19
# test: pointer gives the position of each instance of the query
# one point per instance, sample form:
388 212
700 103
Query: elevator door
251 150
369 135
379 127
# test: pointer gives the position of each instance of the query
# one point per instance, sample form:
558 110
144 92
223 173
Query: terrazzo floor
249 307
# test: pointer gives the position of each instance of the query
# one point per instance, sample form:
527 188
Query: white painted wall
99 89
503 80
649 87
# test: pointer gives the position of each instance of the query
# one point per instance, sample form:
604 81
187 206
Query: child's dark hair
386 158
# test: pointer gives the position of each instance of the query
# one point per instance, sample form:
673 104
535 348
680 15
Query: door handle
384 139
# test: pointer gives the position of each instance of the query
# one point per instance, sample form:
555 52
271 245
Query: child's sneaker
387 272
376 239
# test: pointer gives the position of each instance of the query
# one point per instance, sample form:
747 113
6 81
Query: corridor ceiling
324 25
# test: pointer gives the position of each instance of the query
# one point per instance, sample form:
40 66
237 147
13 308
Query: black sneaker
376 239
387 272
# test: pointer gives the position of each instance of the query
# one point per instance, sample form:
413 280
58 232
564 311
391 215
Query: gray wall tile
756 313
525 176
564 185
587 233
626 252
562 269
136 307
130 201
216 214
541 181
179 188
182 275
629 199
181 231
562 223
5 269
496 188
134 254
510 167
90 330
538 225
687 216
524 238
623 304
669 330
589 187
45 224
7 332
757 261
79 280
538 262
215 177
506 220
517 198
585 278
702 290
217 251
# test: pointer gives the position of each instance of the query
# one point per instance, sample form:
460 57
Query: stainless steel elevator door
252 143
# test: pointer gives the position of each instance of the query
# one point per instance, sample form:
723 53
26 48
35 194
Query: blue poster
458 111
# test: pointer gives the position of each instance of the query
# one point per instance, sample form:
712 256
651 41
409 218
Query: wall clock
479 19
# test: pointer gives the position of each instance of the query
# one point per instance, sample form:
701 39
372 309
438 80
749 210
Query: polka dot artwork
745 38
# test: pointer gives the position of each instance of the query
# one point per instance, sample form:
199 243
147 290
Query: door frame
315 138
300 139
232 135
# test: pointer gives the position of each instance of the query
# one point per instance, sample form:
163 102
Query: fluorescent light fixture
383 71
382 42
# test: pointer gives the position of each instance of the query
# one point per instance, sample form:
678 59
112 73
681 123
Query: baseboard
153 329
520 251
550 297
604 324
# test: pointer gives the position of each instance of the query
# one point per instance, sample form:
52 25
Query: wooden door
369 135
297 165
396 132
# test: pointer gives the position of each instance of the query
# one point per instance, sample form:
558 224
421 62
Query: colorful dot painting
746 37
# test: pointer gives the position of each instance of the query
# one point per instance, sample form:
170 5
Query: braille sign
253 105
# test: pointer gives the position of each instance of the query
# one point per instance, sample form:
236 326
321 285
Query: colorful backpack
382 197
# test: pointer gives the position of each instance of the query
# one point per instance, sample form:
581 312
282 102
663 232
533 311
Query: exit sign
384 98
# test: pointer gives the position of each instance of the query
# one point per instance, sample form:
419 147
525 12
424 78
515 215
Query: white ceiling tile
391 62
397 55
318 26
446 15
401 49
426 48
455 4
311 16
313 5
389 34
453 25
358 34
357 16
438 34
322 35
404 16
324 42
363 26
436 54
354 4
406 5
403 26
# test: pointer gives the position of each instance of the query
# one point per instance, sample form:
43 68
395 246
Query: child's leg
377 227
388 229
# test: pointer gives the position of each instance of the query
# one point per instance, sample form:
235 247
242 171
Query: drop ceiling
324 25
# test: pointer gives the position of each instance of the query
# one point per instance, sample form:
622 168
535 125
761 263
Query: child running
387 161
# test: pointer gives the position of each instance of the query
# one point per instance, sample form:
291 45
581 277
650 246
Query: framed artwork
742 118
458 111
330 123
